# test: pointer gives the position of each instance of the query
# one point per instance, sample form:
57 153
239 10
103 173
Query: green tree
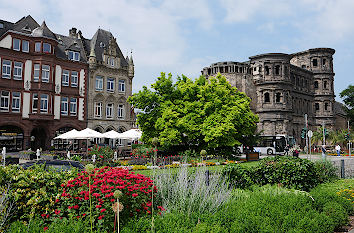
348 98
200 114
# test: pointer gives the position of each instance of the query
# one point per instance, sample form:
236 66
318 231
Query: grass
191 169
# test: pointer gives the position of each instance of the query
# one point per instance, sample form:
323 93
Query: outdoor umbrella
87 134
67 135
132 134
112 135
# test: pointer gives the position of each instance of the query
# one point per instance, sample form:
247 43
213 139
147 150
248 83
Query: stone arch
98 97
98 128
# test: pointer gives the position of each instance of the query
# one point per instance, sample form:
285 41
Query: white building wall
6 42
28 74
26 104
82 88
81 109
58 78
56 107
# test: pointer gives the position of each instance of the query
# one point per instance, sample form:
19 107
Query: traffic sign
309 134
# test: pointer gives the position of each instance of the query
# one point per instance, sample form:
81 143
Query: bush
262 209
331 199
103 154
74 199
58 226
6 206
33 190
290 172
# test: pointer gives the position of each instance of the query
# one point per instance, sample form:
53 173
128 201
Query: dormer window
102 45
74 56
47 48
1 25
112 62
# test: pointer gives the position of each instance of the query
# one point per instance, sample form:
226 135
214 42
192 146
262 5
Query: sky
182 37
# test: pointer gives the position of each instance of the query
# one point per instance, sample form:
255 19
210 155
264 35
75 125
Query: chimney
72 33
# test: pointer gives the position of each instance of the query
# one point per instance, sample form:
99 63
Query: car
57 165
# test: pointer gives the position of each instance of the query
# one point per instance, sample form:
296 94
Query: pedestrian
286 149
323 152
338 149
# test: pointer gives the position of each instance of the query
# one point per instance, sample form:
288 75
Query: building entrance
38 139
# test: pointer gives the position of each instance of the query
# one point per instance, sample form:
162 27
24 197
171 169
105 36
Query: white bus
273 144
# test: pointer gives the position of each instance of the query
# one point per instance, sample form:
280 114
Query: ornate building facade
110 84
285 87
51 83
42 85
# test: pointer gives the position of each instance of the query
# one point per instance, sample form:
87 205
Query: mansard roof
25 25
100 41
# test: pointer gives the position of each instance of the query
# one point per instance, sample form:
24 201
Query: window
277 70
74 78
5 100
36 70
44 103
120 111
323 61
277 97
266 97
17 70
64 105
326 107
16 99
317 106
121 86
303 66
25 46
112 62
110 84
47 48
65 78
45 73
266 68
109 111
16 44
325 86
6 69
74 56
73 106
99 83
314 62
37 47
98 109
316 85
34 103
1 25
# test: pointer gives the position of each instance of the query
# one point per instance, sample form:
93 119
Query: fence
344 168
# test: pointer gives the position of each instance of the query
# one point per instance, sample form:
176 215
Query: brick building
43 84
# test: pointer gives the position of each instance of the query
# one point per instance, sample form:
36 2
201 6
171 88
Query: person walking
338 149
323 152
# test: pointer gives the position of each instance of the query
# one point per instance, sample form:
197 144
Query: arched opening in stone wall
266 97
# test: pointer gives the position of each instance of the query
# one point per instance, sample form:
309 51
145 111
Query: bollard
4 155
207 174
342 169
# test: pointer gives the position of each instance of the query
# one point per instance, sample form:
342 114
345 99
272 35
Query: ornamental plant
73 202
103 153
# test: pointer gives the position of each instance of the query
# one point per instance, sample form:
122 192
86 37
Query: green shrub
58 226
262 209
290 172
34 189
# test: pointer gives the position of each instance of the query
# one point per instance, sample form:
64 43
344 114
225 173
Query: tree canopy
348 98
201 114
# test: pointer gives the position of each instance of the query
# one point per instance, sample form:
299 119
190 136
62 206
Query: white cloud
243 11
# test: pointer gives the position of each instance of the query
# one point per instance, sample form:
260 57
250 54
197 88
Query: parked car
57 165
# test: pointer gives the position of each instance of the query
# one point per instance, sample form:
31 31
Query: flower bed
74 200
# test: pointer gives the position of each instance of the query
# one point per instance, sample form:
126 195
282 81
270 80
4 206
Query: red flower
103 210
100 217
45 228
101 156
135 195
